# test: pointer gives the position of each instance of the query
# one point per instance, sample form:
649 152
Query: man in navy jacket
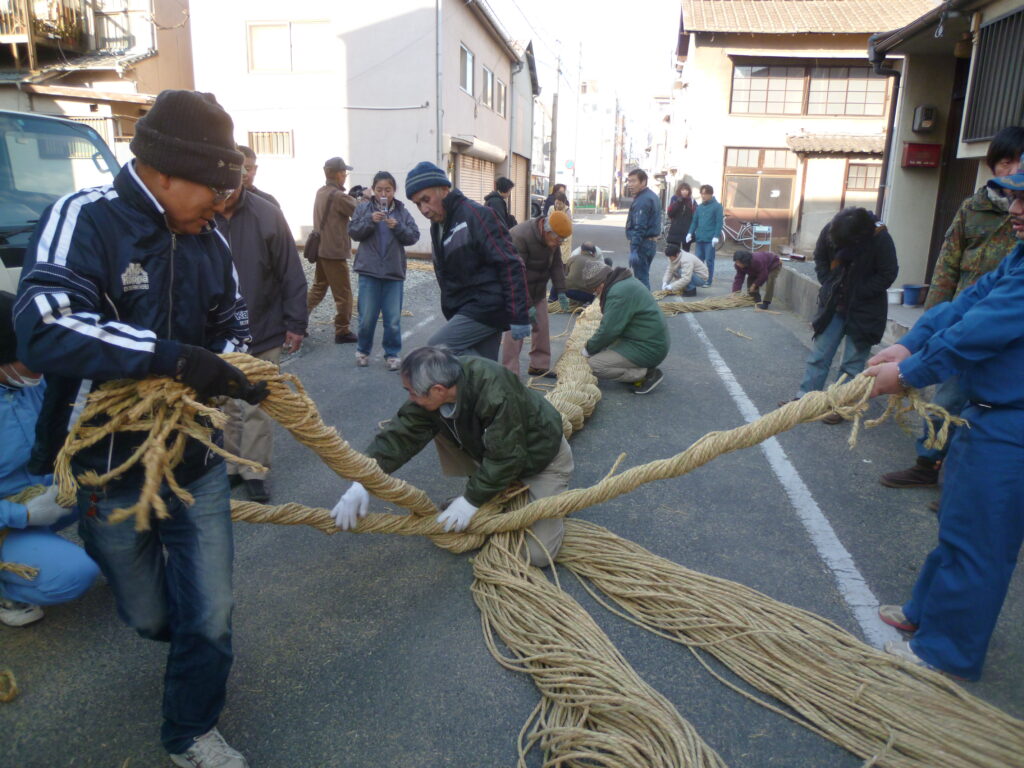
643 226
482 278
133 280
959 593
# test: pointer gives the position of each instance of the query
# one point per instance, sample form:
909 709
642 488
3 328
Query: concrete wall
910 200
704 97
370 98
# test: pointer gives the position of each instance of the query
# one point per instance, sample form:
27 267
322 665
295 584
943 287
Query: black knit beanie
189 135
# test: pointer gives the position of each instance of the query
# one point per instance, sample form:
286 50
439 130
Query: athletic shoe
924 474
901 649
210 751
649 382
893 616
393 363
15 614
362 360
257 490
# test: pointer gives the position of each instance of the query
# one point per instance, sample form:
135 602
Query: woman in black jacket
680 214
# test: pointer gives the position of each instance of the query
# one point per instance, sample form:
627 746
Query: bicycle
749 233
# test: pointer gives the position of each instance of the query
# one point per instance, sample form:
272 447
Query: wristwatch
900 380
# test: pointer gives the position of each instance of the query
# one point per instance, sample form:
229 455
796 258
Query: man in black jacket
273 284
855 260
497 201
482 278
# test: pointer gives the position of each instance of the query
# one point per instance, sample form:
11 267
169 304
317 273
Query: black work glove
210 376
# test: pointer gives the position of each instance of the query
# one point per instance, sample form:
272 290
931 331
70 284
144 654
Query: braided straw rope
729 301
872 703
8 686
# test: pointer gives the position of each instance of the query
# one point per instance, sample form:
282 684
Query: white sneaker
901 649
393 363
362 360
15 614
210 751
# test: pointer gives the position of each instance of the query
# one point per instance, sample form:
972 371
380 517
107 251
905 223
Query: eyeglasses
220 195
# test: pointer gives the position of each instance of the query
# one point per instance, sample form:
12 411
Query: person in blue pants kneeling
65 571
959 593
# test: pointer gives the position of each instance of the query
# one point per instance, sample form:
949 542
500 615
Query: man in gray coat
271 280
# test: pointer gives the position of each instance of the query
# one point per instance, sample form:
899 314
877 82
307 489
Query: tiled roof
777 17
837 143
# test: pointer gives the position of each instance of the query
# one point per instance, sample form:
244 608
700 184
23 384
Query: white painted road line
418 325
851 583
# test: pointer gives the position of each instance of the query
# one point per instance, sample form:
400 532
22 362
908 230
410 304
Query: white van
42 158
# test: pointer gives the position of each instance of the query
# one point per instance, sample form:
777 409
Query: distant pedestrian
760 269
249 175
538 243
497 201
706 228
273 284
979 238
685 273
680 213
561 203
643 226
550 199
632 340
481 277
384 227
855 261
331 211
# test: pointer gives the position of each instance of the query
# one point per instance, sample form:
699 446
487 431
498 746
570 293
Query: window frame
808 66
258 141
501 98
467 68
487 88
289 25
987 108
874 172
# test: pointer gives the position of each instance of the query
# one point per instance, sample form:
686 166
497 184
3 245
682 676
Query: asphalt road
365 651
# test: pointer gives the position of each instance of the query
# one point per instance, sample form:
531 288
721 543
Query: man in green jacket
487 426
632 339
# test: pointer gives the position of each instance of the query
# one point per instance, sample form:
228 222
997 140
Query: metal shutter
476 177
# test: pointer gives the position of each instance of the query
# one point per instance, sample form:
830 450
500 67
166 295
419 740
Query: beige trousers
333 274
545 536
249 432
611 366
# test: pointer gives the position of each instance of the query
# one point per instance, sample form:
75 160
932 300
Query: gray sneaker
210 751
649 382
15 614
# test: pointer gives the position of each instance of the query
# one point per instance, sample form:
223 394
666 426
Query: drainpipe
438 111
878 61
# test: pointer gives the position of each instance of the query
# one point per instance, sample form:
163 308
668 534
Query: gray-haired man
487 426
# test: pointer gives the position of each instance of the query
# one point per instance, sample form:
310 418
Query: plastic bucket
895 295
914 295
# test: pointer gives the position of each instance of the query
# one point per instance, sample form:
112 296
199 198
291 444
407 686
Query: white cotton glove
583 351
458 515
689 237
714 241
664 286
44 509
351 507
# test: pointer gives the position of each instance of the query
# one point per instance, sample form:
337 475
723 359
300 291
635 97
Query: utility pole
26 19
554 126
576 138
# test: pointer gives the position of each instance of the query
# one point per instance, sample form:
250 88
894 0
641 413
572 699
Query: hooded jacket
109 292
979 238
632 323
270 275
477 268
511 431
542 262
381 251
855 286
499 205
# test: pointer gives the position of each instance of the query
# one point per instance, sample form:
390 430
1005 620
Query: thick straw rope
8 686
729 301
872 703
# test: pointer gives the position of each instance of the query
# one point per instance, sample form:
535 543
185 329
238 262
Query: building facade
777 107
382 85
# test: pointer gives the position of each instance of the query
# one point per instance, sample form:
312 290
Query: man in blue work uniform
979 335
128 281
643 226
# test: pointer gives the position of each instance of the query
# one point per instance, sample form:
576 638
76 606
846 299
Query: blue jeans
640 258
378 296
706 253
950 396
185 601
581 296
826 344
696 282
963 582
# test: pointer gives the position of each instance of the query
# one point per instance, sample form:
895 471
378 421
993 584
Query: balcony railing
53 22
